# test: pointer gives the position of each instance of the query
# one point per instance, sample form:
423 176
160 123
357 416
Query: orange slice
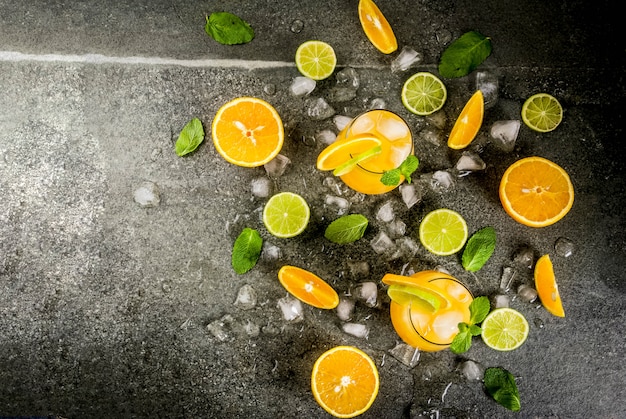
468 123
376 27
345 381
308 287
536 192
545 283
342 151
247 132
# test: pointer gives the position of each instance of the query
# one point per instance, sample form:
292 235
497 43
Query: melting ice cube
261 187
345 308
147 195
406 58
564 247
318 109
302 86
501 301
341 204
341 121
385 212
505 133
291 308
393 129
381 243
470 162
396 228
348 77
377 103
411 194
441 181
406 354
356 329
276 167
473 371
527 293
367 292
326 137
487 82
246 297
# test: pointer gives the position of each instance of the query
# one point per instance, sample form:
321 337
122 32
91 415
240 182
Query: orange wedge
308 287
247 132
545 283
376 27
468 123
342 151
345 381
536 192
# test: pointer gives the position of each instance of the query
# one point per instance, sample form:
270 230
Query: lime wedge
286 214
419 298
347 167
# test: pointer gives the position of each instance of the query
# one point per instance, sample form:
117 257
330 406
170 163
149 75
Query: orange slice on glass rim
376 27
342 151
308 287
468 123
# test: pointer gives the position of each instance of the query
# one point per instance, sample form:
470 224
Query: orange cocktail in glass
418 324
386 143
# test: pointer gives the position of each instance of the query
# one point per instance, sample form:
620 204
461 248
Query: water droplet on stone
296 26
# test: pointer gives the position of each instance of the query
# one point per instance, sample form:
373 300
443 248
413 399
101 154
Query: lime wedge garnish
347 167
416 296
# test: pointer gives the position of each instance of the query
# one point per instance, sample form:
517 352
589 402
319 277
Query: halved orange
342 151
308 287
345 381
376 27
536 192
468 123
545 283
248 132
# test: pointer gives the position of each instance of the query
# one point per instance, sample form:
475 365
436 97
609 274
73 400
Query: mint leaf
406 169
464 55
228 29
475 330
479 308
246 250
346 229
462 341
190 137
500 385
479 249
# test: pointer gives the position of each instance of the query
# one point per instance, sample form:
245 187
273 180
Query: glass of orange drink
382 129
427 307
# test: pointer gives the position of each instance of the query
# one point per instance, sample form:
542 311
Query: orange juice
426 330
396 143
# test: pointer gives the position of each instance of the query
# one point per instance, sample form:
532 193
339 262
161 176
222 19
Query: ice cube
385 213
251 329
218 329
318 109
270 252
437 120
362 124
261 187
435 137
367 292
501 300
381 243
564 247
487 82
325 137
356 329
276 167
441 181
411 194
406 58
506 280
470 162
302 86
524 257
377 103
345 309
406 354
147 195
393 129
505 134
341 121
341 94
407 246
342 205
527 293
396 228
472 371
291 308
246 297
359 268
348 77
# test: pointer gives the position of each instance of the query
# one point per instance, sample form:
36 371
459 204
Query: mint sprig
190 137
479 249
346 229
479 308
406 169
246 250
228 29
500 385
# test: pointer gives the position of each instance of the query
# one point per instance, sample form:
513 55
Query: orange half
308 287
248 132
376 27
536 192
345 381
468 123
545 283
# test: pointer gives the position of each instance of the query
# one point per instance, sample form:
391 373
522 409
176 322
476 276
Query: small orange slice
247 132
342 151
308 287
345 381
468 123
376 27
545 283
536 192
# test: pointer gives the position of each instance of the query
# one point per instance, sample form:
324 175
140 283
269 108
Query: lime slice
347 167
423 93
316 60
542 112
286 214
504 329
443 232
419 298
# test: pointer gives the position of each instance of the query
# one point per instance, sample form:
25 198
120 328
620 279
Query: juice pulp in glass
430 331
397 145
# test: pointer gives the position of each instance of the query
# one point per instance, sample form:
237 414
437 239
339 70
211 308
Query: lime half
542 112
504 329
286 214
443 232
316 60
423 93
